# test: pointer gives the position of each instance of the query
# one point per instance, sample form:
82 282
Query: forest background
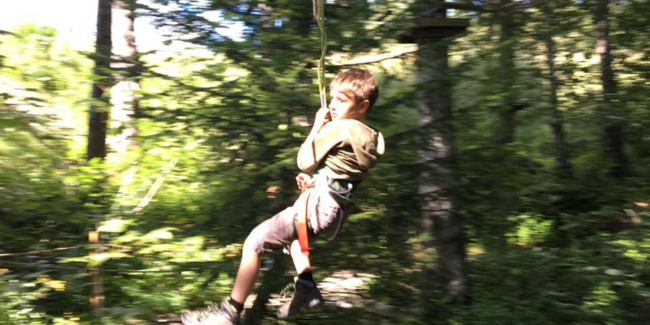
515 187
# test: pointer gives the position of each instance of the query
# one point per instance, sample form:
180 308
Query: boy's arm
321 139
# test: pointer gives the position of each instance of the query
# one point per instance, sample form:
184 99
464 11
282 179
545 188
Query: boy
341 148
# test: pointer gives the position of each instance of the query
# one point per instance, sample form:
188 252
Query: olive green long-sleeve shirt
346 149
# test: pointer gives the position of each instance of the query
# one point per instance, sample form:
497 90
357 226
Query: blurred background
141 141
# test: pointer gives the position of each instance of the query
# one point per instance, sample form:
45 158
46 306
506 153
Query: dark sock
307 276
238 306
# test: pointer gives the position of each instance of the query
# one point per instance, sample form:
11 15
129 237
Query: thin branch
126 182
56 267
465 6
43 251
375 60
482 8
154 188
40 251
211 91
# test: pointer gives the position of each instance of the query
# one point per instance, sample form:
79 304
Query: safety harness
306 187
339 190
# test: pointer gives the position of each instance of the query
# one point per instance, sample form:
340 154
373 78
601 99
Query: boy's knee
272 234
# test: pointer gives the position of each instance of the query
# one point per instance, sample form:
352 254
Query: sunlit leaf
115 225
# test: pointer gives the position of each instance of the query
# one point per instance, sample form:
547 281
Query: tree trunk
124 103
563 167
97 126
437 205
504 195
613 136
97 123
505 117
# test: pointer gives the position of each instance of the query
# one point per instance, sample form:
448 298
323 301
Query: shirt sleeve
315 148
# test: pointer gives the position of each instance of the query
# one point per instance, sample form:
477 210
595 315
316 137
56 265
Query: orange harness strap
302 227
303 231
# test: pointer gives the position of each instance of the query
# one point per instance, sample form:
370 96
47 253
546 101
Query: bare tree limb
466 6
482 8
154 188
40 251
211 91
375 60
126 182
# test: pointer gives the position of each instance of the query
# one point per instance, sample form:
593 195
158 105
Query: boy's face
343 106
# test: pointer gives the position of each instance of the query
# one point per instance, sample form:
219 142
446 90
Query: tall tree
98 124
507 75
124 102
613 137
506 15
438 207
563 167
98 118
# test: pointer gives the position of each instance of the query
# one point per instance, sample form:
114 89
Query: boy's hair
358 84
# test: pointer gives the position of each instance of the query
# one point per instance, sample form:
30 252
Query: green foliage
218 131
19 299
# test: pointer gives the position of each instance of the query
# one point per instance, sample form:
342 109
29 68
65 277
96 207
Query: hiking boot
307 296
225 314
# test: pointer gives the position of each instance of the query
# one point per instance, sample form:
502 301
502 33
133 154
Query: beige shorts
325 217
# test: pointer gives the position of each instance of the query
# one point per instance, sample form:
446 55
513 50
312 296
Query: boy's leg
273 233
300 260
307 294
227 313
247 274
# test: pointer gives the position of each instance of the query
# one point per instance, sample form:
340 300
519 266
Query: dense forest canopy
514 189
